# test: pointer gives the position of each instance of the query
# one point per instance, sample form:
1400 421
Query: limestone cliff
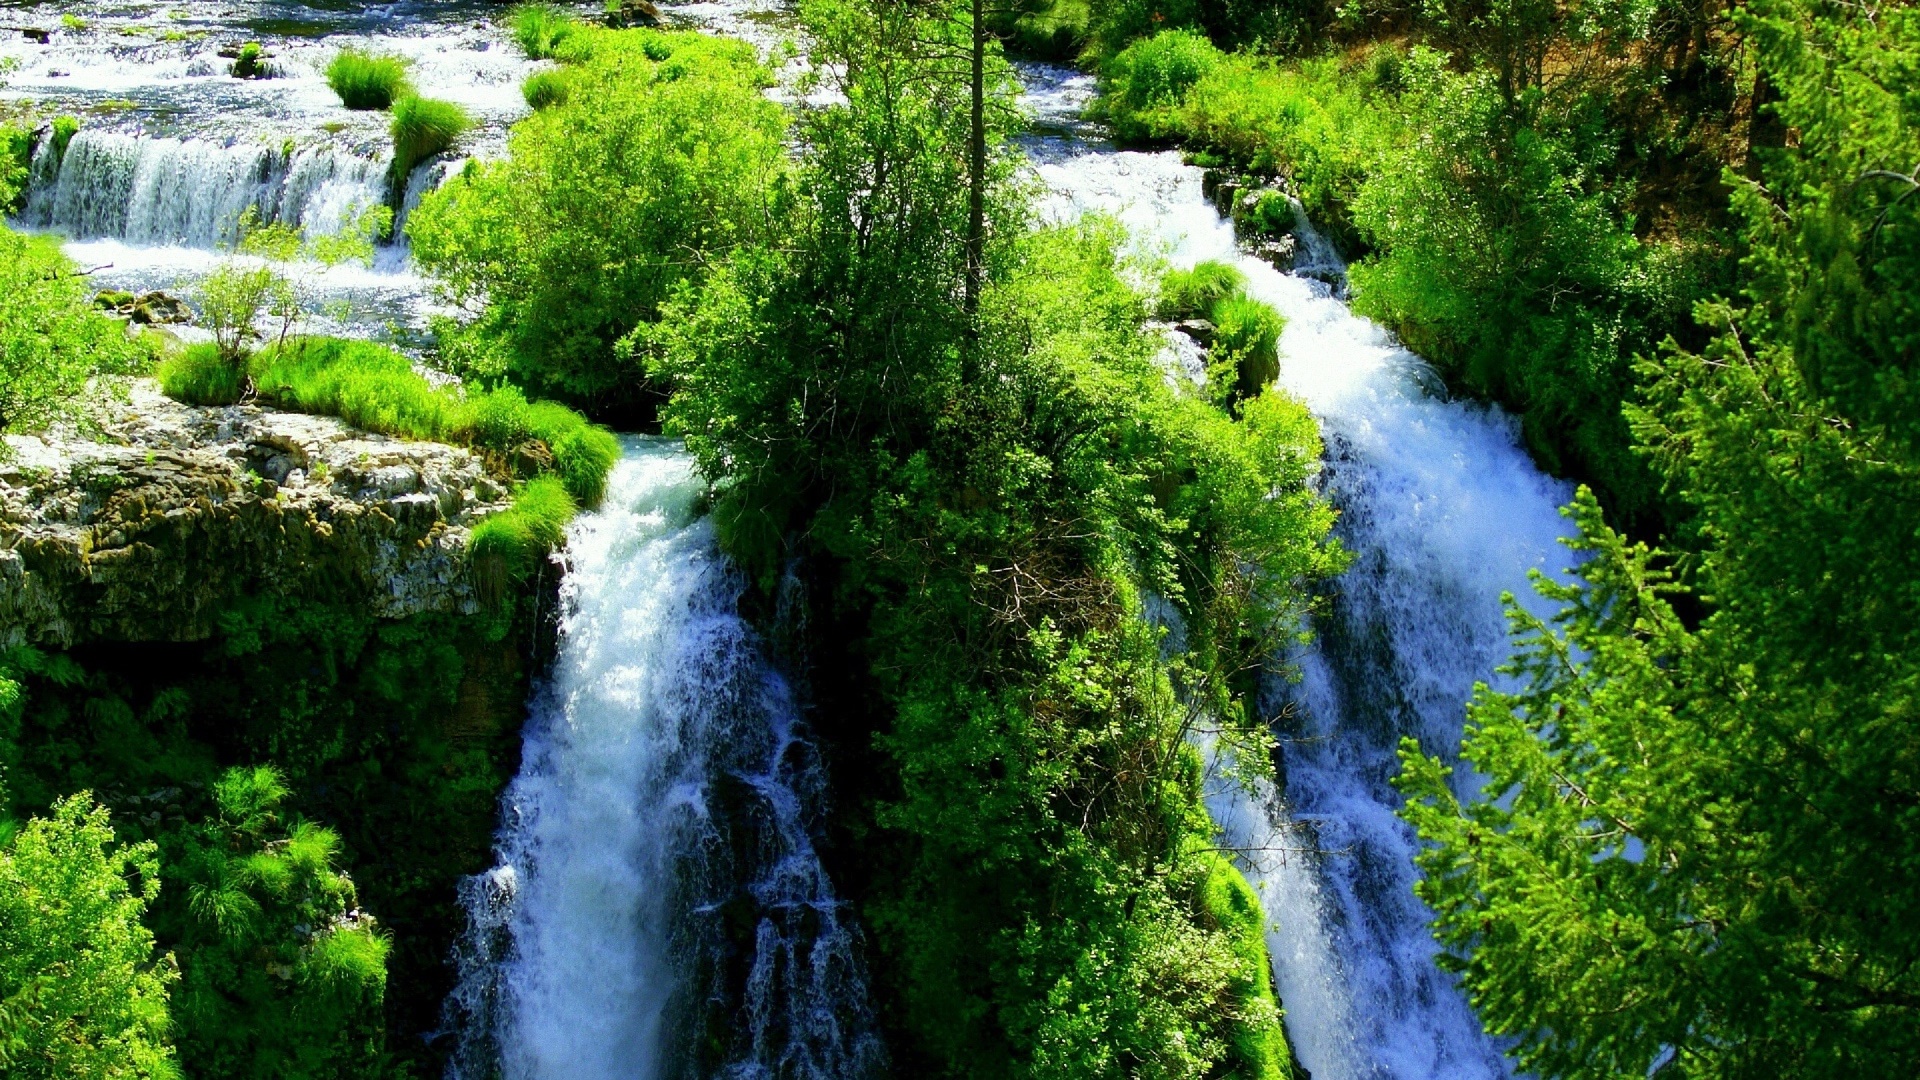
149 526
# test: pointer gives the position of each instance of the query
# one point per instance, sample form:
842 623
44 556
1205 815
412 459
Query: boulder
633 13
146 529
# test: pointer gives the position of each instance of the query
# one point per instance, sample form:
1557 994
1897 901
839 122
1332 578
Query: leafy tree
1696 847
665 156
81 994
282 974
52 340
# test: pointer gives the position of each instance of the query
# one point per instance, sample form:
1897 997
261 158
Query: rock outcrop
170 513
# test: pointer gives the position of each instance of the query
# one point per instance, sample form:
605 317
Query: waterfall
192 193
658 909
1443 511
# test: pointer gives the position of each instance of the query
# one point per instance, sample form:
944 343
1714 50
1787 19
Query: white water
657 835
174 150
1443 511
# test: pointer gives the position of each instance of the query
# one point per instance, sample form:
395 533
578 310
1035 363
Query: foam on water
665 794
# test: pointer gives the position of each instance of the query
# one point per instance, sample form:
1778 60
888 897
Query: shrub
542 29
649 172
423 127
1186 294
1146 83
366 80
199 375
84 994
52 339
544 89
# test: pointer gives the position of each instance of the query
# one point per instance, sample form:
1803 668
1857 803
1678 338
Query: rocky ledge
166 514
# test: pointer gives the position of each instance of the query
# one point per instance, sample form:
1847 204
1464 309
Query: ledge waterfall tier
1444 512
658 909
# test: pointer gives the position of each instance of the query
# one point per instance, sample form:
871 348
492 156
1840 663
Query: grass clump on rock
367 81
373 387
423 127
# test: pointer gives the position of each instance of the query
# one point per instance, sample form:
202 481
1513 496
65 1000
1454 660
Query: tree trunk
976 179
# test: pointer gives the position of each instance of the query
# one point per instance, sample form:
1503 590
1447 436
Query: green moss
64 129
1229 902
366 80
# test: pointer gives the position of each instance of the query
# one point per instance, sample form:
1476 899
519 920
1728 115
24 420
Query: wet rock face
170 513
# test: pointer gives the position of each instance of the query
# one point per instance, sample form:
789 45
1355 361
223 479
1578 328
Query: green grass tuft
1187 294
198 375
544 89
370 386
511 545
541 30
423 127
1245 355
367 80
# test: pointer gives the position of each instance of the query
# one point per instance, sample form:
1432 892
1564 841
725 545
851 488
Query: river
591 940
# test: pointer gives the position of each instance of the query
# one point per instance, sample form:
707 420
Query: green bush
646 174
1187 294
281 973
83 993
421 128
367 80
52 339
199 375
544 89
542 30
1145 85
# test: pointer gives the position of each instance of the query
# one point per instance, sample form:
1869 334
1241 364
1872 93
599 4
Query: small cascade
658 910
192 193
1443 511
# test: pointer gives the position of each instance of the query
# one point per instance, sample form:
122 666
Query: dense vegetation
225 931
608 202
1006 509
1679 240
1051 568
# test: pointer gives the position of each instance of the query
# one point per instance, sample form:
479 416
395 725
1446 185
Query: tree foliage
52 340
81 992
1697 845
665 157
282 974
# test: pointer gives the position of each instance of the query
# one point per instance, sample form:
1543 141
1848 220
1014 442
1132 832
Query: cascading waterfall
192 193
1444 512
658 909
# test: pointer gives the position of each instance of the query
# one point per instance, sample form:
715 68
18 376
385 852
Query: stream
656 873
